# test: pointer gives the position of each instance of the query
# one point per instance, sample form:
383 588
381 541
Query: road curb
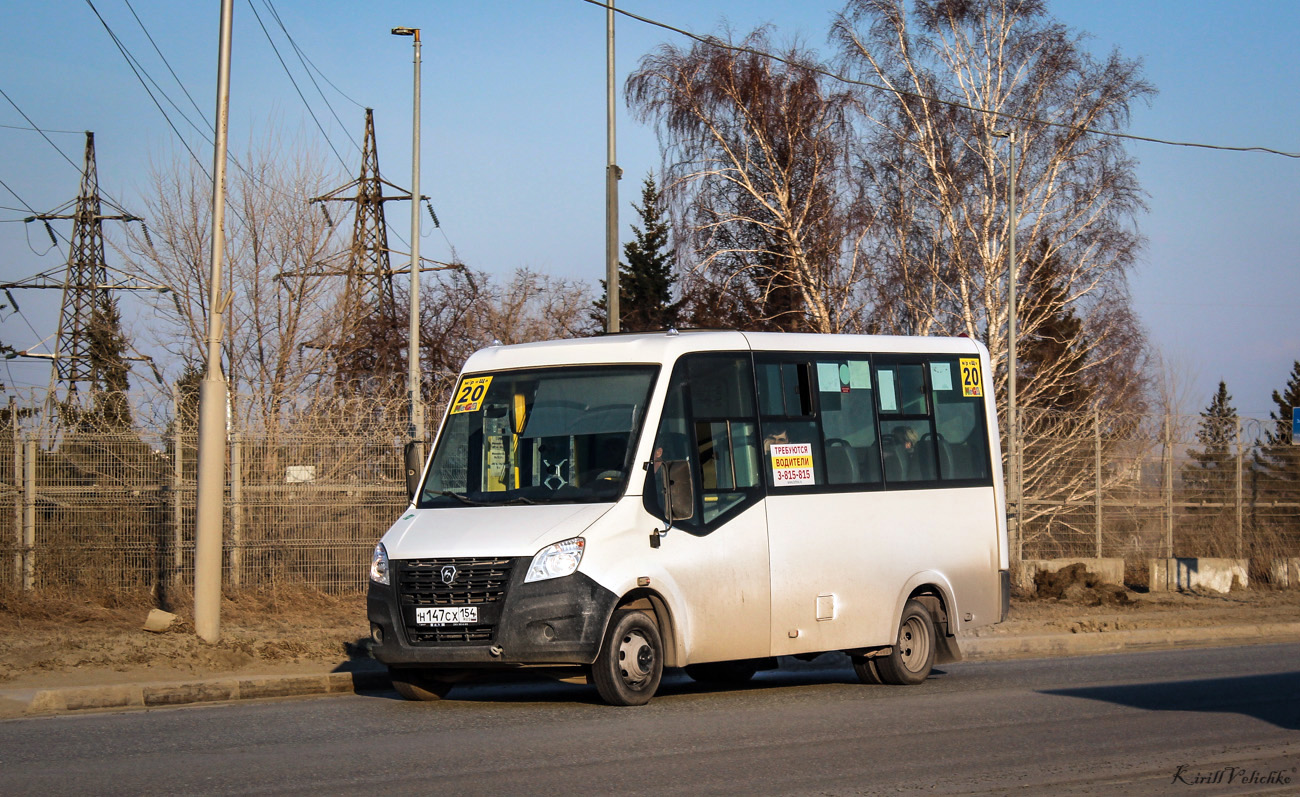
118 696
65 700
1086 643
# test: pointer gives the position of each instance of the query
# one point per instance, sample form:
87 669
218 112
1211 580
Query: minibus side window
708 420
931 422
819 424
848 422
959 419
906 427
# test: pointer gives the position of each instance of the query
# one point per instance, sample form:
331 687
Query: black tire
723 673
912 658
866 670
417 684
630 664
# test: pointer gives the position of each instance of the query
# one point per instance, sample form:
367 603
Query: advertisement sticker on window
792 464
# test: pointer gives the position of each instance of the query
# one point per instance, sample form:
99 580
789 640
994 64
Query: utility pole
1013 431
612 175
209 518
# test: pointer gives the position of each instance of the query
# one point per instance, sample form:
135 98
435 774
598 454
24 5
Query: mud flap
946 649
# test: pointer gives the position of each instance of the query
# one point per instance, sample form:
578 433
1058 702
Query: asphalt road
1172 722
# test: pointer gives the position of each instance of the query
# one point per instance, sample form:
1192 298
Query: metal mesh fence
95 509
1157 486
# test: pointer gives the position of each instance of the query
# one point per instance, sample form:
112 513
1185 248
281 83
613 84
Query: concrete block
195 692
1109 569
283 686
158 621
84 698
1284 573
1215 575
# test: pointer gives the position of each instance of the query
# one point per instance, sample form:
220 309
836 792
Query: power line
296 88
167 64
48 140
713 41
122 49
312 63
302 59
43 130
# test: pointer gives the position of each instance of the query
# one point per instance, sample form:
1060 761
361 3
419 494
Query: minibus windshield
539 436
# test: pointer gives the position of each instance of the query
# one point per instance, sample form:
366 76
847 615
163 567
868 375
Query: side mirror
413 461
678 491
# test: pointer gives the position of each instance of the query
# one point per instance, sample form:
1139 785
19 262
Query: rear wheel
723 673
912 658
417 684
630 664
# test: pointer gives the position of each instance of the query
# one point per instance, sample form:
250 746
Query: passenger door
718 559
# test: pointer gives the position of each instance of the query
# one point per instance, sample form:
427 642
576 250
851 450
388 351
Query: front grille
438 635
480 582
477 581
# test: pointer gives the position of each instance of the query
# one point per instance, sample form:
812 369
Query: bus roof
664 347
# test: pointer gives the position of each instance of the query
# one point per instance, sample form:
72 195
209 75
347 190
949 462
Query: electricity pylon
372 336
88 312
367 268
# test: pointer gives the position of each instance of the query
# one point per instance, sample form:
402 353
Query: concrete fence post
29 514
178 484
236 510
1169 486
18 499
1096 466
1240 503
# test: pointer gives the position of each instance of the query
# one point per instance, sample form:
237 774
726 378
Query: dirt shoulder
46 643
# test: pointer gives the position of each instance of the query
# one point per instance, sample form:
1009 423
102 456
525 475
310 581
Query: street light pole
1013 431
612 175
209 522
415 448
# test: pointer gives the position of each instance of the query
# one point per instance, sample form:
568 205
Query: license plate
446 615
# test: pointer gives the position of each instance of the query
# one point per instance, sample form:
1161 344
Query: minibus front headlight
379 565
554 561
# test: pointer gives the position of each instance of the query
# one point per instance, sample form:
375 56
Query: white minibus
602 509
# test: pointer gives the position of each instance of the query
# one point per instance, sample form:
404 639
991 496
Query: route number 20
469 397
972 383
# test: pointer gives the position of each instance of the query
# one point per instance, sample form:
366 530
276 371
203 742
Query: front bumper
559 621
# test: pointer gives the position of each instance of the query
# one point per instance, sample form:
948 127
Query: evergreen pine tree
109 370
1279 459
645 281
1211 475
1054 355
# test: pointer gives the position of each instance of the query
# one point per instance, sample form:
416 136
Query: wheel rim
636 659
913 644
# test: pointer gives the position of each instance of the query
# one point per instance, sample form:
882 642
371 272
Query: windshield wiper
471 502
462 499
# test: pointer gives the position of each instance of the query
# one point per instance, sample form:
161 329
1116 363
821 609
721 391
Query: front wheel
913 656
630 664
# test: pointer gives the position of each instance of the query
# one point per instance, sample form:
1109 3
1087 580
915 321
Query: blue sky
514 140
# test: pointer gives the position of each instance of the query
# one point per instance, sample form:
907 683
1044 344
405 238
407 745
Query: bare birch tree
755 169
941 185
280 320
466 310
